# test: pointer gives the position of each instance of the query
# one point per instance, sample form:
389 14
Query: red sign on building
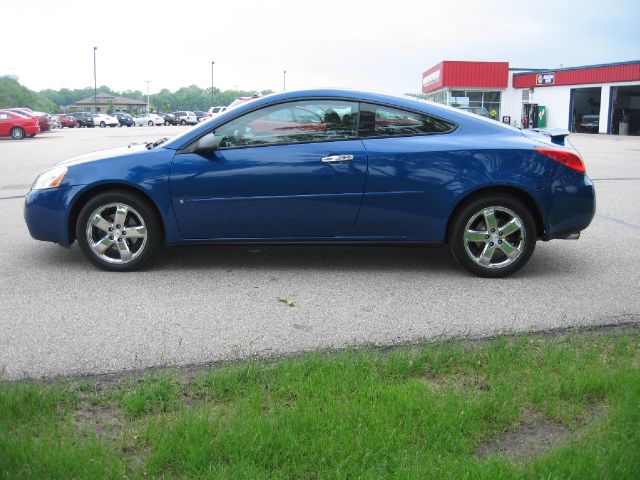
466 74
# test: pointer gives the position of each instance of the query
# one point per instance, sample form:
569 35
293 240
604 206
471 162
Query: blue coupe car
322 166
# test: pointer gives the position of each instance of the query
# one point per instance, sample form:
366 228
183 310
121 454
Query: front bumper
46 213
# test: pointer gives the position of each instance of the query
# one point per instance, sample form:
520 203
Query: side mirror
205 144
208 143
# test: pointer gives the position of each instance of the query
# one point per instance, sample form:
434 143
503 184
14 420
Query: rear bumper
572 208
31 129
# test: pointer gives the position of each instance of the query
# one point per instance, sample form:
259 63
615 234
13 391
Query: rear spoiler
557 135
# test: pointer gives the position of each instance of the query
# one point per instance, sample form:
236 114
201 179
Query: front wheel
118 231
183 122
102 124
493 236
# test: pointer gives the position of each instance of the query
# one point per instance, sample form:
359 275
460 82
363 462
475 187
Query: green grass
412 413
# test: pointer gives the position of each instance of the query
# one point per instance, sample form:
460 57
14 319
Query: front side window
293 122
382 121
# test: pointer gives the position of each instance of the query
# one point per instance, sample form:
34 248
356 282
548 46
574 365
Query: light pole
212 63
148 82
284 81
95 82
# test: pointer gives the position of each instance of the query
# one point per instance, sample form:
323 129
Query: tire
123 248
17 133
492 235
78 125
183 122
150 123
102 124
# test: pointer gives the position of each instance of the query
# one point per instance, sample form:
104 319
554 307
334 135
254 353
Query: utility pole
212 63
284 81
95 82
148 82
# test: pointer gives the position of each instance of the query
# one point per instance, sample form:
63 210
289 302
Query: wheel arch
518 193
84 197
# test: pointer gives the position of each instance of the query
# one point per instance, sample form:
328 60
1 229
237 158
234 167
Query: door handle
337 158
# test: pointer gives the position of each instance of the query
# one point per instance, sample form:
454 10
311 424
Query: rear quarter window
383 121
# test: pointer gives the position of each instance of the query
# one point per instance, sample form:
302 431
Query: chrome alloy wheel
116 233
494 237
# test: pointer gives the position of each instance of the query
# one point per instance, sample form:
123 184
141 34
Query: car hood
104 154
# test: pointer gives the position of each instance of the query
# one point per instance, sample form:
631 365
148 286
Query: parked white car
150 119
55 122
186 117
103 120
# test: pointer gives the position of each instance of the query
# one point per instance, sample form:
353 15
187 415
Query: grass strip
422 412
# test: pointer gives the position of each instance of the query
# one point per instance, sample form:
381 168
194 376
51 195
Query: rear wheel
150 123
493 235
183 122
17 133
102 124
118 231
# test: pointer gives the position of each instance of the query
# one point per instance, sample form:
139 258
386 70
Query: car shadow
306 257
431 260
282 257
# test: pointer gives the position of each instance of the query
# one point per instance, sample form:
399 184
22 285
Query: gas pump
529 115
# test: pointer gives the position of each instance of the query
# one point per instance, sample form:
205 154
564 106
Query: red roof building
595 98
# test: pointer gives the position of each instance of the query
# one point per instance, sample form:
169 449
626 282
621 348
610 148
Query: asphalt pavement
61 316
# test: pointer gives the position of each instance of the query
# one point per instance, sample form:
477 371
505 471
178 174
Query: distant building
106 101
592 99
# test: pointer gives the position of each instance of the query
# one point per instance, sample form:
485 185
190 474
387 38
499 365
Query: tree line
12 94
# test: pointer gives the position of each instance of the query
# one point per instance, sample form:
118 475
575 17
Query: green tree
12 94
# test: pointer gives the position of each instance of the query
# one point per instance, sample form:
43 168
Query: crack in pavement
620 222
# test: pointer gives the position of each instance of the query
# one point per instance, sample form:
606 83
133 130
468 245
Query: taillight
565 157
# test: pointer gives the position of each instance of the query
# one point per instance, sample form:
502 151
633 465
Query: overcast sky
369 45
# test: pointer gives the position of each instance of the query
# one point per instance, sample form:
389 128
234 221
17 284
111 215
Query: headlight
50 179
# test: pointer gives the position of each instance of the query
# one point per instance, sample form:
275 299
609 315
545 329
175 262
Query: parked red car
66 120
43 118
17 126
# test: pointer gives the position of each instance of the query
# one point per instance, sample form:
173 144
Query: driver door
276 175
